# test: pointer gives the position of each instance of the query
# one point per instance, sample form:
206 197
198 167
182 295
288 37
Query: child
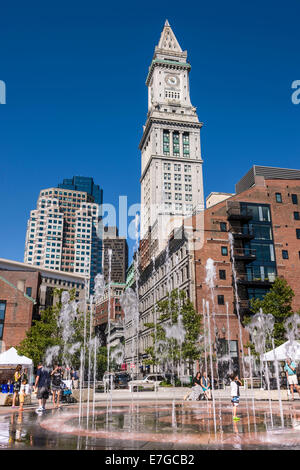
235 394
24 390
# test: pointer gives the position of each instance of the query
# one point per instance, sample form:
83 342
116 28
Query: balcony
242 233
236 212
252 279
244 254
244 307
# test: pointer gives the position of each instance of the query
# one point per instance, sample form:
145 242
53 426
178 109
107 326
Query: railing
242 232
244 253
251 277
244 304
235 211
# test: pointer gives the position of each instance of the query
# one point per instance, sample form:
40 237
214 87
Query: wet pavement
155 425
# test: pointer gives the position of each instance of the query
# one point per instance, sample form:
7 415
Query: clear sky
76 96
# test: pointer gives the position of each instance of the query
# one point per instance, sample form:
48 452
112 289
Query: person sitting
196 389
205 384
291 375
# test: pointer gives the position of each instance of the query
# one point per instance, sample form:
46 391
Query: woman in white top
235 393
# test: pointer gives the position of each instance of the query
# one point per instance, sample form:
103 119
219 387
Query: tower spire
168 41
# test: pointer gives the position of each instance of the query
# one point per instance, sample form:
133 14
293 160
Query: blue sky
76 96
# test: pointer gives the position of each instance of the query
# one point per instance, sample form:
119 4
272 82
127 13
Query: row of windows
285 254
278 197
177 167
172 94
62 193
176 144
178 206
178 187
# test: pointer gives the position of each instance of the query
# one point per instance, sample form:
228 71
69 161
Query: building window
285 254
29 291
186 144
223 226
176 144
220 299
294 199
222 274
296 216
278 197
224 250
2 316
298 233
166 142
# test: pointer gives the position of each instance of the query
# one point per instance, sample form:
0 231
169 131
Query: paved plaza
156 421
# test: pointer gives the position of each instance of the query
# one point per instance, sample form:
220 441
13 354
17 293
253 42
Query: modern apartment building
63 233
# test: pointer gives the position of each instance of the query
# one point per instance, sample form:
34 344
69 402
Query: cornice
166 64
167 121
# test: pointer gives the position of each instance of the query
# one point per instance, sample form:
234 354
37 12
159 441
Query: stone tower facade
171 170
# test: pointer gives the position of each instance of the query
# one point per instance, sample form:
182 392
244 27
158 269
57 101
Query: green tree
169 348
278 302
45 333
42 334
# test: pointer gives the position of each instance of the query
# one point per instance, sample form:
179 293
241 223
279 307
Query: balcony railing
243 232
236 212
244 254
244 305
252 278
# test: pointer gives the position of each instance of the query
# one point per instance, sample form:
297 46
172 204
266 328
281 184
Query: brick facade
19 311
284 225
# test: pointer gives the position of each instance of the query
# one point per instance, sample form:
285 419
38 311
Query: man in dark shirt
75 379
42 385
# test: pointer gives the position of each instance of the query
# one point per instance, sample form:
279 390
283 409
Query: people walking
42 385
291 375
205 384
56 384
17 384
235 394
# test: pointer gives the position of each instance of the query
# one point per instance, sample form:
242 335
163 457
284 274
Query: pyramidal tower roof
168 46
168 41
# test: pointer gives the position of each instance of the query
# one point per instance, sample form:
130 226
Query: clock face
172 80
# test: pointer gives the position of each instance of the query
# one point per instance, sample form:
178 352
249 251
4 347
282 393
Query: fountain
133 422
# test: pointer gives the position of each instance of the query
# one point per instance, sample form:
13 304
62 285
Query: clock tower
171 173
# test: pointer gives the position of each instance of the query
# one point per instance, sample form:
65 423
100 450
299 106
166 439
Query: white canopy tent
289 349
11 358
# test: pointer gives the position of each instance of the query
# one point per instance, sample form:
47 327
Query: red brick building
17 308
263 222
109 304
